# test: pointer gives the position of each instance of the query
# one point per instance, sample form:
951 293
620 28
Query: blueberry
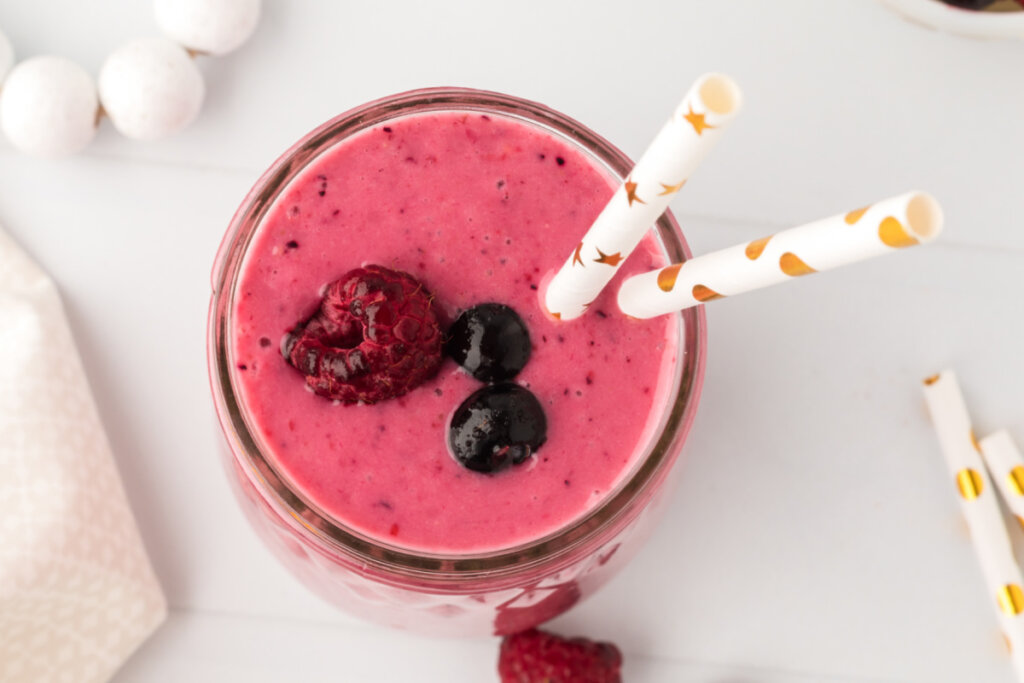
490 341
497 426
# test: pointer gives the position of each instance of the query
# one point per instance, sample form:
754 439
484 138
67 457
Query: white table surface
815 536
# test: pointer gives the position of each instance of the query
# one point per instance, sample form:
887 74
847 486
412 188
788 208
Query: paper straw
1006 465
668 163
980 508
882 228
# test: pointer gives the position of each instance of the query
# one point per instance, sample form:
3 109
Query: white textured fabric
77 593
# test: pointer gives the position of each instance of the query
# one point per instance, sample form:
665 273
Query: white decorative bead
150 88
211 26
48 106
6 55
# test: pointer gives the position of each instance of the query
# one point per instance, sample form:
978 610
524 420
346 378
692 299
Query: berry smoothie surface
479 208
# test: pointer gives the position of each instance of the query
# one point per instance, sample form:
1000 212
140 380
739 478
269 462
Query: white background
815 536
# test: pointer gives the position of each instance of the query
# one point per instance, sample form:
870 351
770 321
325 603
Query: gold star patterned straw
662 171
882 228
1006 466
980 507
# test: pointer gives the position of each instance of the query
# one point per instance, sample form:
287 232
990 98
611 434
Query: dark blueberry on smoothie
490 341
497 426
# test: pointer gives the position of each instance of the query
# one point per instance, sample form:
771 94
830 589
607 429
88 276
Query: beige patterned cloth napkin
77 593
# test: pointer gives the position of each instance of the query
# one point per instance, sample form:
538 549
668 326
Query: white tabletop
815 536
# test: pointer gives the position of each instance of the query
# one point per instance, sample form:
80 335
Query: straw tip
943 375
924 216
720 93
555 307
1001 436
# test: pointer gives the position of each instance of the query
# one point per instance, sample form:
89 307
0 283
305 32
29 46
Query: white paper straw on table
684 141
1006 466
980 507
875 230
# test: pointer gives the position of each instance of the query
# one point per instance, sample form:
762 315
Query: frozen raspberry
375 337
538 657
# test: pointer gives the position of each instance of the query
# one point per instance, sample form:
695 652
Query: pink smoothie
480 209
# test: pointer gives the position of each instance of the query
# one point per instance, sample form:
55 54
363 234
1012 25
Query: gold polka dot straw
662 171
883 228
1006 466
978 501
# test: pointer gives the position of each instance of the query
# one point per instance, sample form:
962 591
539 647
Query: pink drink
480 207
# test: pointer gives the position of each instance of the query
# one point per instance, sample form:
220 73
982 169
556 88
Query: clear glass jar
497 592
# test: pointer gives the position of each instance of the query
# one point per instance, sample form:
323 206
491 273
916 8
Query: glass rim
273 485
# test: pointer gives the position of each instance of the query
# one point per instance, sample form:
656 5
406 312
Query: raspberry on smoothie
374 337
